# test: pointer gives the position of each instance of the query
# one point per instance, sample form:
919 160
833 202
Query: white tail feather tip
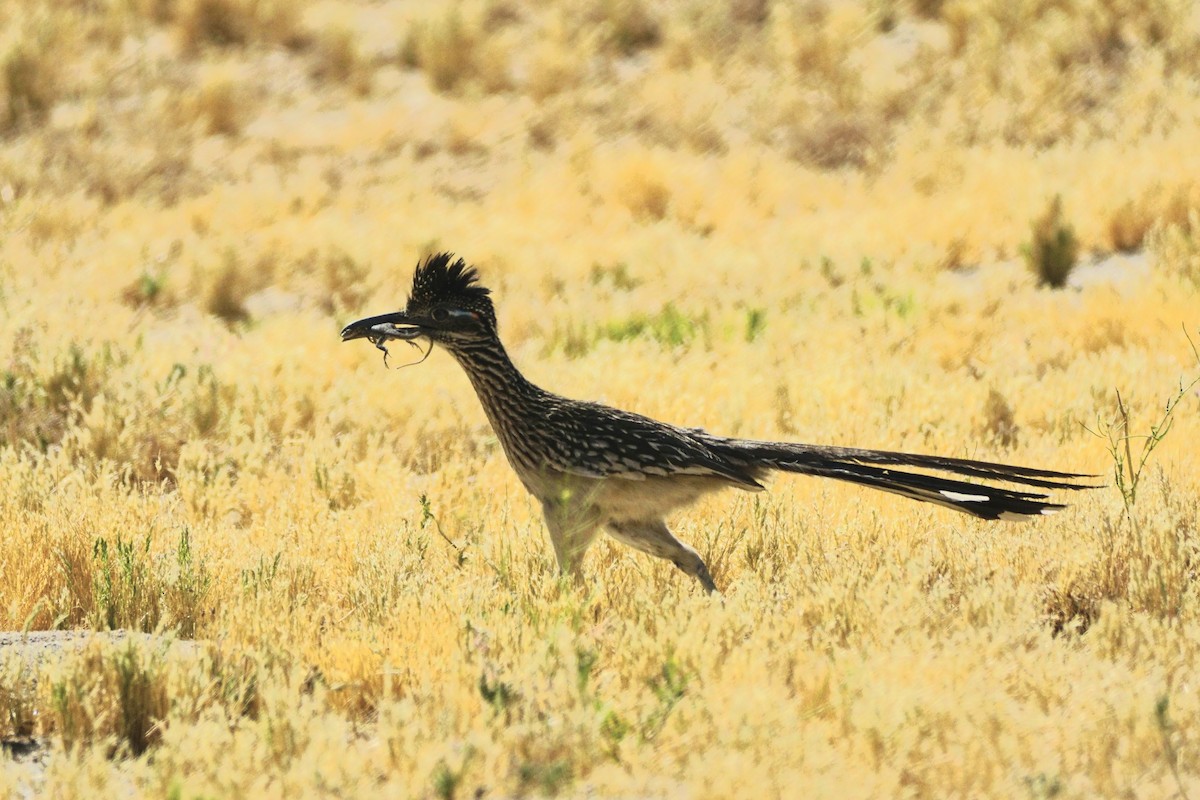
965 498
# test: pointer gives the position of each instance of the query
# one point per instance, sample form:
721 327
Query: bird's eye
440 315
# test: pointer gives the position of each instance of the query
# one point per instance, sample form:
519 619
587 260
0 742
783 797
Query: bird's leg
572 530
652 536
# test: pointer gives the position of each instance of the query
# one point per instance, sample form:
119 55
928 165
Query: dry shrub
338 59
626 26
443 47
552 68
1100 52
828 119
1146 561
815 41
834 140
30 69
228 290
124 694
185 404
682 110
18 698
999 422
344 283
1128 226
714 32
220 103
159 12
147 290
89 157
641 184
930 9
749 12
455 49
1074 604
1177 248
227 23
1159 205
1134 218
116 692
42 397
225 279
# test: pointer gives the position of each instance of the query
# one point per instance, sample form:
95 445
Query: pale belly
618 498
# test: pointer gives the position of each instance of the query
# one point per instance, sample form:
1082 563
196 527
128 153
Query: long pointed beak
383 327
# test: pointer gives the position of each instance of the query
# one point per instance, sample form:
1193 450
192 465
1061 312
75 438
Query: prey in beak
378 330
446 306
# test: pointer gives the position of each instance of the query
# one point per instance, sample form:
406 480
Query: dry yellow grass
782 220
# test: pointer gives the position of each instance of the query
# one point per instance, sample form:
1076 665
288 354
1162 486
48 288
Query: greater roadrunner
592 466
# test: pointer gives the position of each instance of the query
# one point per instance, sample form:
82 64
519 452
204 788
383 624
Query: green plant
338 489
146 289
427 517
616 274
1128 468
669 326
756 323
498 694
131 589
259 579
668 687
1053 249
585 662
187 586
1143 560
1165 728
121 588
446 781
550 777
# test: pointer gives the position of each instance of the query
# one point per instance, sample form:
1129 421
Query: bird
593 467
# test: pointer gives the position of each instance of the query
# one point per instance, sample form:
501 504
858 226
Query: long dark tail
874 468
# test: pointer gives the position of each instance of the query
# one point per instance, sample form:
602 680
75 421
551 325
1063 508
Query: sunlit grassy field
964 228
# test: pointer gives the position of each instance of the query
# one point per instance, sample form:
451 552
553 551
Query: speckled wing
595 441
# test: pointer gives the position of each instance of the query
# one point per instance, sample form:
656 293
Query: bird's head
446 305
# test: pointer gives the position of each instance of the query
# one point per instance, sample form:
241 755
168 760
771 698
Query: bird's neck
507 396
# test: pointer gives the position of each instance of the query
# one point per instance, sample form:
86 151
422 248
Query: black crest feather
442 277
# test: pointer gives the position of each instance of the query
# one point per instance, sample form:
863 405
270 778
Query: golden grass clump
251 561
